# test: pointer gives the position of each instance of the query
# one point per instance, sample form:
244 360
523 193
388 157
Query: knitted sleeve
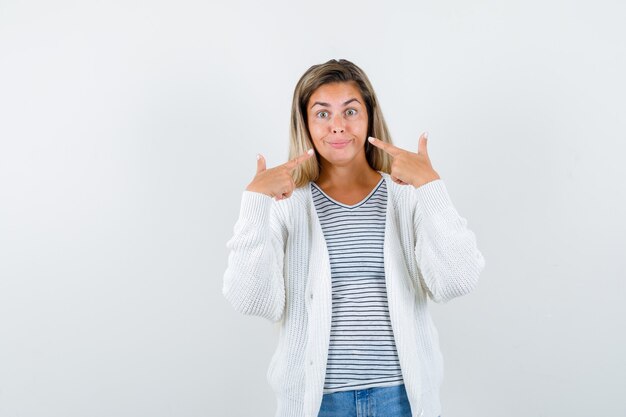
253 281
447 257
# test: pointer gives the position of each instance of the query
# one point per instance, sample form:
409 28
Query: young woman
343 245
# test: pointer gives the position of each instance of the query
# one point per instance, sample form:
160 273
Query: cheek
360 125
315 131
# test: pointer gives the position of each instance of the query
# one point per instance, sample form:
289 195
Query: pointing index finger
292 164
387 147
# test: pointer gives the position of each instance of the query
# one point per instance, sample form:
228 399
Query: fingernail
310 151
425 135
258 156
371 139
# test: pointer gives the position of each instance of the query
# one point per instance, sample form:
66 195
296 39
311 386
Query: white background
129 129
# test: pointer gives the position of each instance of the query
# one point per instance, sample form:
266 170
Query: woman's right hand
276 182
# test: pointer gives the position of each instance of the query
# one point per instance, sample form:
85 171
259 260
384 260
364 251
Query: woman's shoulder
431 197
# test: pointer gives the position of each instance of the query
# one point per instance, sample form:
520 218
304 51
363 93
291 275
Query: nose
338 126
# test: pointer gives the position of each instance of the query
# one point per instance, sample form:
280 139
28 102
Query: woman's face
337 119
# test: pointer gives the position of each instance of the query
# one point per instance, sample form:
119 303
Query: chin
341 161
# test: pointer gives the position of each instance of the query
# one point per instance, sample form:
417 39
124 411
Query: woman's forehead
336 93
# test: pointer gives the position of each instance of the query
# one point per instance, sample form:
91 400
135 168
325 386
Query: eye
351 112
322 114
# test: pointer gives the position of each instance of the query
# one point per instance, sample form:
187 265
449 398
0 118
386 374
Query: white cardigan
278 268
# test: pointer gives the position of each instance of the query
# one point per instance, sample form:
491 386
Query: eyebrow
328 105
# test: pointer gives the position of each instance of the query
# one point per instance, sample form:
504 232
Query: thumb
422 148
260 163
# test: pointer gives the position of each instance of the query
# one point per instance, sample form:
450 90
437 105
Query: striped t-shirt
362 352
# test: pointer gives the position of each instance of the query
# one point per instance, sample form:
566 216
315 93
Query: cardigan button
311 296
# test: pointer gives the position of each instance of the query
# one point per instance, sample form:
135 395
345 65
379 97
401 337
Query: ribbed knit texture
278 268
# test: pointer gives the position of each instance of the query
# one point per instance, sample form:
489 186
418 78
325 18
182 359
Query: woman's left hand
408 167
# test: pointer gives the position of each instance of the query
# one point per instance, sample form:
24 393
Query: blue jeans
371 402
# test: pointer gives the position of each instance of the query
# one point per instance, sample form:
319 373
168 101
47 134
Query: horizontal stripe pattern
362 352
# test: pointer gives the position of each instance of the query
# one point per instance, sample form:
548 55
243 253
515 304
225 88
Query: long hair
300 139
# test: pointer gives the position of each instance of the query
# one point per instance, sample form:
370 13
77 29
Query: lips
338 144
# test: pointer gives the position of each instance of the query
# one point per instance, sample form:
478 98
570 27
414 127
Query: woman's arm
447 257
253 281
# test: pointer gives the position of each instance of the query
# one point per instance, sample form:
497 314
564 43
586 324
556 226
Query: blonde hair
300 140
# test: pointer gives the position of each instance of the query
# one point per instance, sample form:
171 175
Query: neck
345 176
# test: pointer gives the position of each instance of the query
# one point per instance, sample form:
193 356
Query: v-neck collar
351 206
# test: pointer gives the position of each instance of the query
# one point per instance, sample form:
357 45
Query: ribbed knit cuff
255 207
433 197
